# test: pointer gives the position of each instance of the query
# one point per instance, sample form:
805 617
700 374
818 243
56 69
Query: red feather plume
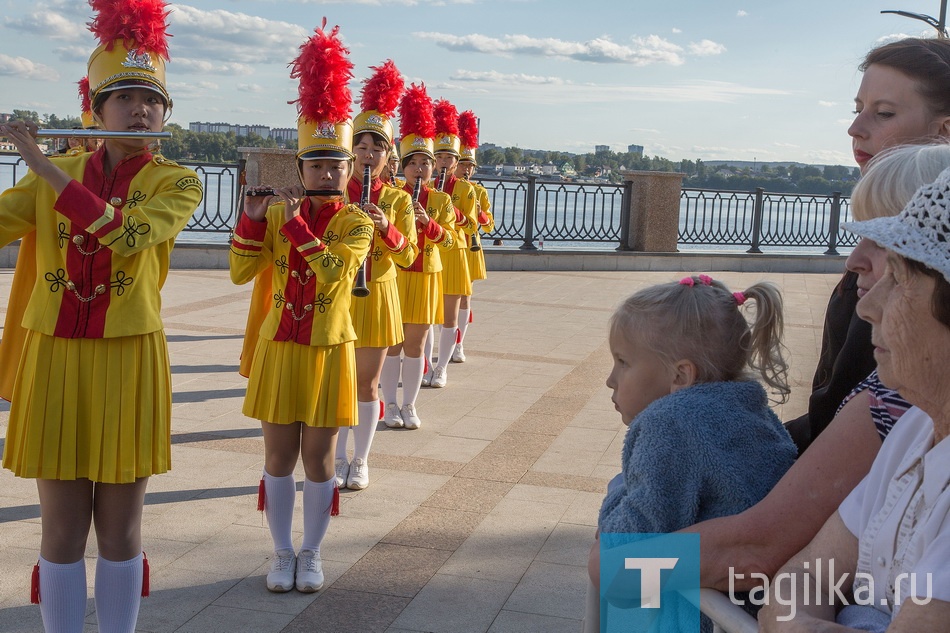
415 113
446 118
84 95
324 71
382 91
468 129
139 21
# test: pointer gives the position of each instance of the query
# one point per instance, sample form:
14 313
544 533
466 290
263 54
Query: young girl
702 441
456 281
468 133
420 285
377 317
90 417
302 383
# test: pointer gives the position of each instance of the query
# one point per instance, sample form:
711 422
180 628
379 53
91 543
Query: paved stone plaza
479 521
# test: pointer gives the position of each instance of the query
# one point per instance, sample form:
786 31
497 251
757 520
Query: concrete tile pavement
479 521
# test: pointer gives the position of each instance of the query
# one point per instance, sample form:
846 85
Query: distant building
283 134
635 149
279 134
601 149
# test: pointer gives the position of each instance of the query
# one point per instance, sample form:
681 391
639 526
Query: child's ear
684 375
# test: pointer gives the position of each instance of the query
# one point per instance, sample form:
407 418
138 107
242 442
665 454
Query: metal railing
531 211
757 218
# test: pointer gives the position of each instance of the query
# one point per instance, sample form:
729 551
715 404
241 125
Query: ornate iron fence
531 211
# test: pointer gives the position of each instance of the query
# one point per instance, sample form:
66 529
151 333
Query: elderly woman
890 539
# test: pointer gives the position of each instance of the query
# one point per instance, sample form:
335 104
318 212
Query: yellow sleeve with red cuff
249 255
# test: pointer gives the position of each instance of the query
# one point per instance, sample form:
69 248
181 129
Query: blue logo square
649 583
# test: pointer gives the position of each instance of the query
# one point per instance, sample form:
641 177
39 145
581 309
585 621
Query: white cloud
791 145
75 53
493 76
828 104
741 13
706 48
235 38
676 30
250 88
49 24
644 51
26 69
201 66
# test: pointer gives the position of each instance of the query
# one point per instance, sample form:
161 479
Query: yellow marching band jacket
466 209
91 266
398 246
303 270
439 233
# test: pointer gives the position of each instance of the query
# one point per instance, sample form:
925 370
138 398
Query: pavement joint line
582 375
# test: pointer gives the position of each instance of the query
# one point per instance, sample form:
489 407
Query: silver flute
99 134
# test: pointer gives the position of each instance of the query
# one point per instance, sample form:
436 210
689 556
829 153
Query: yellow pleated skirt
420 295
97 409
290 382
455 277
377 318
476 264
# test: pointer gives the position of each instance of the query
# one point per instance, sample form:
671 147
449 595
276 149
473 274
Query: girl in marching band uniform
420 285
468 133
91 387
456 281
302 383
376 317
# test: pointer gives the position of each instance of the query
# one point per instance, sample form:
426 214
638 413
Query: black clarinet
416 190
260 193
359 285
440 183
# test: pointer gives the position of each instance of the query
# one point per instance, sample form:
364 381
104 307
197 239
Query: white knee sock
365 431
389 379
341 437
446 345
279 495
463 320
427 348
63 595
412 369
317 502
118 594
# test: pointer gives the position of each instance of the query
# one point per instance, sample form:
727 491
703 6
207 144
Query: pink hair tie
740 297
687 281
706 279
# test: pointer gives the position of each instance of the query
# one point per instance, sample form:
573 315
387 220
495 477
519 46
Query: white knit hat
921 231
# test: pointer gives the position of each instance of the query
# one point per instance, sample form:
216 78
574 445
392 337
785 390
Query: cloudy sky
709 79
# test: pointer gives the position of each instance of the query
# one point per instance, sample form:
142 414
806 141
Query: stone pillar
654 210
269 166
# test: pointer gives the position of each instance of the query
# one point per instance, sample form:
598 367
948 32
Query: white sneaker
309 571
393 419
438 377
359 475
427 378
458 356
410 418
280 578
342 469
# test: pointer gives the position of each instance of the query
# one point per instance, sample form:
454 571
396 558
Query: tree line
217 147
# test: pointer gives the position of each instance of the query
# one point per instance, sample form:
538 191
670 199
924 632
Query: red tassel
382 410
458 336
335 507
261 496
468 129
471 315
35 584
145 575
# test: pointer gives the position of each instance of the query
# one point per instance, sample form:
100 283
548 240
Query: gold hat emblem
325 130
141 61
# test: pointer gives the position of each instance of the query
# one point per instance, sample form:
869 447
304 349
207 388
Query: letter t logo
650 569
